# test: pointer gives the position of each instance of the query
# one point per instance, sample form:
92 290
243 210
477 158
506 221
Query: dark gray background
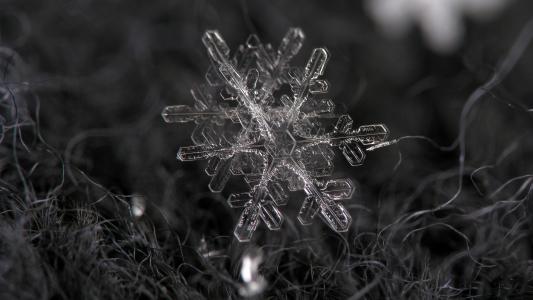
101 73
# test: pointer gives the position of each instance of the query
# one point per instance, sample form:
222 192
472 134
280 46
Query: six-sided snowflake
278 144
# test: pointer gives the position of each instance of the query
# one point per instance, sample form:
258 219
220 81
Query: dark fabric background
90 78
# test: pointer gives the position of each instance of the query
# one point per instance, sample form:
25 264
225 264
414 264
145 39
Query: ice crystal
253 282
137 206
279 144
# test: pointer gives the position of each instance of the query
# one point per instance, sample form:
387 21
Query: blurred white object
439 20
203 250
253 282
138 206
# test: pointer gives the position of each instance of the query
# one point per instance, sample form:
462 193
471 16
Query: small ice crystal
137 206
204 249
279 144
253 282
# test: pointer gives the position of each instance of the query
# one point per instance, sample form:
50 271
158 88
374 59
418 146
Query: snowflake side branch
219 52
314 68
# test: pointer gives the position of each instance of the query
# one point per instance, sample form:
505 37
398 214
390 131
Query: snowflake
439 20
262 119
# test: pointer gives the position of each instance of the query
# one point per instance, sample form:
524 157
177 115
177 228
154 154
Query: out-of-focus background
95 205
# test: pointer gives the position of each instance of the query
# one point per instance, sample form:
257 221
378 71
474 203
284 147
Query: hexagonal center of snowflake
282 145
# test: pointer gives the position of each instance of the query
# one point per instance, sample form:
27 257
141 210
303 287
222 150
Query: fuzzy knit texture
445 213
